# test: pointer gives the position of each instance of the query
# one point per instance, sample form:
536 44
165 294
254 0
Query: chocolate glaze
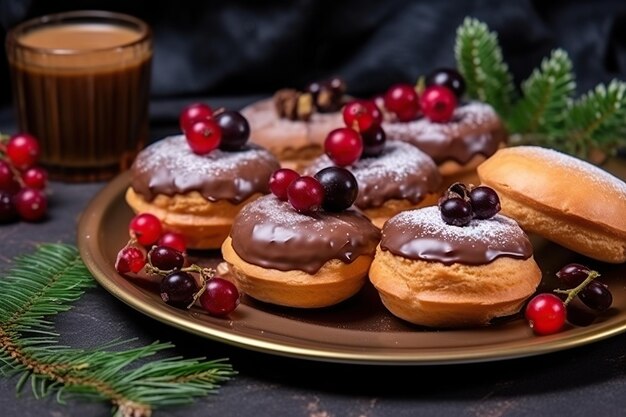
401 172
170 167
422 235
474 130
269 233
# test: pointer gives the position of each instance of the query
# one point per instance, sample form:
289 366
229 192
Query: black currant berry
373 142
340 188
166 258
449 78
573 274
8 212
456 211
178 289
485 202
596 296
235 130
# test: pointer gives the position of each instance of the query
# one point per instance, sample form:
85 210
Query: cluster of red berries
461 203
206 130
332 189
22 182
547 312
163 253
363 135
444 87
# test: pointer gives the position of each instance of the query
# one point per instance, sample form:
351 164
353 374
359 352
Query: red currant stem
17 175
420 85
219 111
573 292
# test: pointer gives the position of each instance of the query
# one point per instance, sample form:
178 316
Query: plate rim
87 244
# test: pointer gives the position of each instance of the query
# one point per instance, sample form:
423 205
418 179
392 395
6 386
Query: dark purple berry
337 86
178 289
485 202
235 130
373 142
8 212
447 77
596 296
573 274
456 211
314 89
166 258
340 188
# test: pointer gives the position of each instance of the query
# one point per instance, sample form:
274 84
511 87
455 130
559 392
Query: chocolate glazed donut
312 260
474 133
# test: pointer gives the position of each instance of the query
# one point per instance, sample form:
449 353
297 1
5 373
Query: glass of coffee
81 84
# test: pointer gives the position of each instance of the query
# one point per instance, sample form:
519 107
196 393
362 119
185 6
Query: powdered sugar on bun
169 166
579 170
475 129
401 172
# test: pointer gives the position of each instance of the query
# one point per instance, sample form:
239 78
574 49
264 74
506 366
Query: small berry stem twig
573 292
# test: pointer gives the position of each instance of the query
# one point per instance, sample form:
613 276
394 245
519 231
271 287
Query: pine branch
545 96
597 120
45 283
479 59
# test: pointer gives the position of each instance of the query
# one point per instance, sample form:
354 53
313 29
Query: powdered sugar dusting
398 161
174 154
498 231
580 169
269 209
471 116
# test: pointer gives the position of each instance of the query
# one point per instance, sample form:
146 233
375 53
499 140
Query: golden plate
359 330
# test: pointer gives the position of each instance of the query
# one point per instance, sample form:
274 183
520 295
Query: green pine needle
591 127
479 59
46 283
545 96
597 120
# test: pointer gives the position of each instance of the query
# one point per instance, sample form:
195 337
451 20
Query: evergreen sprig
45 283
597 120
545 96
479 59
545 113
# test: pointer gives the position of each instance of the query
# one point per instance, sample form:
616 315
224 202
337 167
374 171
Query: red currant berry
362 115
305 194
280 180
173 240
546 314
343 146
220 298
130 259
31 204
194 113
402 99
146 228
23 150
438 103
35 177
7 179
203 136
